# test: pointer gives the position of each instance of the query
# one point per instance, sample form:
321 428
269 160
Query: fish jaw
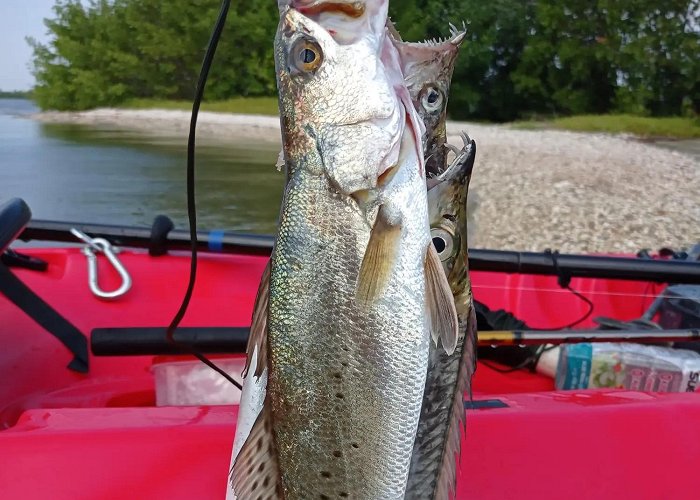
345 108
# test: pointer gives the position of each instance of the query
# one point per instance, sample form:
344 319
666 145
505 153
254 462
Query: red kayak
95 431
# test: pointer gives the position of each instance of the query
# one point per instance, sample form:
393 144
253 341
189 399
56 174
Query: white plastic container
192 383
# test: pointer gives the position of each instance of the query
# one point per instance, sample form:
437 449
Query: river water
101 175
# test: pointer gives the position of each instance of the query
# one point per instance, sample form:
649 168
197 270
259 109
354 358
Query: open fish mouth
315 7
345 20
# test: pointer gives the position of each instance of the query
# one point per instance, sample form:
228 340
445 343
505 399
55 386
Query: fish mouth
315 7
461 166
346 20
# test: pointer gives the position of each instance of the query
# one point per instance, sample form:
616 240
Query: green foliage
15 94
642 126
520 58
105 52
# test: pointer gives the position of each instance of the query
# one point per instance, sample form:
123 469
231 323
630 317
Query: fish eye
431 98
306 56
443 241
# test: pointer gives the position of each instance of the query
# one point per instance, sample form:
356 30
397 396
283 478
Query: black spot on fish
355 445
325 474
342 494
337 454
339 395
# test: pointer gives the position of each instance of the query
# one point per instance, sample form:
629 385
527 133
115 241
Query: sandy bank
532 189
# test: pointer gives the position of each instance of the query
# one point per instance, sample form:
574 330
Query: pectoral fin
256 472
378 260
258 325
440 303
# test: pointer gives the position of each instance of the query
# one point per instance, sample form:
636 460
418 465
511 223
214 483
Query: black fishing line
191 207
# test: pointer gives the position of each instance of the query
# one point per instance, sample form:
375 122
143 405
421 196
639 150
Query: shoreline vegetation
15 94
641 127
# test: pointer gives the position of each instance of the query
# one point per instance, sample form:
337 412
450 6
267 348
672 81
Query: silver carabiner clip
101 245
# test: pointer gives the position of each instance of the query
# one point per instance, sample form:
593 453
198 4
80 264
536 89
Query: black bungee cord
191 207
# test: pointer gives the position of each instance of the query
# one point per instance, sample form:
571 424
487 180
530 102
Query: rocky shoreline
530 189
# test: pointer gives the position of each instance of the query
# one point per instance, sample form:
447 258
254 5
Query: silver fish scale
346 385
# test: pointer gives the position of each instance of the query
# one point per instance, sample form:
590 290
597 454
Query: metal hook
92 246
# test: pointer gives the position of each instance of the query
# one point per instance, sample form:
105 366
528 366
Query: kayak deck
101 436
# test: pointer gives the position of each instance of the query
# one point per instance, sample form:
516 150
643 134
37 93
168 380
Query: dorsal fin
440 302
258 325
256 472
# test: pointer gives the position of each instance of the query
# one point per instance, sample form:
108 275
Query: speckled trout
355 285
428 68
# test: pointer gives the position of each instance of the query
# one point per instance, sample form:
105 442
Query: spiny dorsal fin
258 325
440 303
256 472
378 260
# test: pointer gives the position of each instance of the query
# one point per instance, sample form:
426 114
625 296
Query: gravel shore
530 190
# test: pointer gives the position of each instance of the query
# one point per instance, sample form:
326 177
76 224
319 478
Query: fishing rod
233 340
536 337
160 239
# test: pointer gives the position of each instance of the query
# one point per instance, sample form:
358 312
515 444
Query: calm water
78 173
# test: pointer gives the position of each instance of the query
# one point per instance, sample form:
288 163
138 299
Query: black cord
191 207
564 280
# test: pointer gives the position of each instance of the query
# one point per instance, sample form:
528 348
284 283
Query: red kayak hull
99 435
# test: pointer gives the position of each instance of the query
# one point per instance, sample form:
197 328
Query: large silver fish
347 324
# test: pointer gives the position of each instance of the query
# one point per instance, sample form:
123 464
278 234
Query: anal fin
258 325
256 472
440 302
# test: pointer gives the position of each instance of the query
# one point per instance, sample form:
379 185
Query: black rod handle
140 341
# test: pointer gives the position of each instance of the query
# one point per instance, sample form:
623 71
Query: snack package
627 366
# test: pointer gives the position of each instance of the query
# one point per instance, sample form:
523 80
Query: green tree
104 52
568 63
659 63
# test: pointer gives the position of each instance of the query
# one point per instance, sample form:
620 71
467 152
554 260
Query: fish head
338 106
447 211
427 68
